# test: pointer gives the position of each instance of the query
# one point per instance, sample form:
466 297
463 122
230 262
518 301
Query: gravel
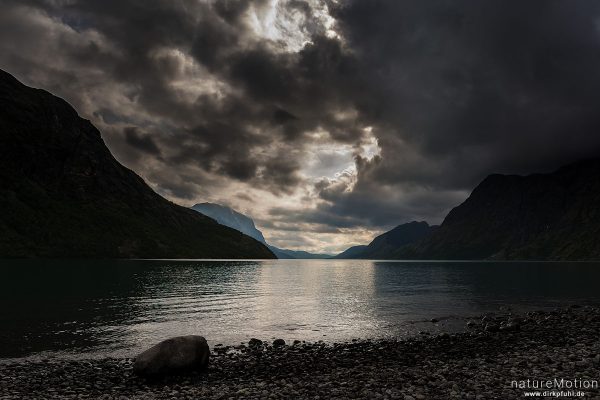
478 363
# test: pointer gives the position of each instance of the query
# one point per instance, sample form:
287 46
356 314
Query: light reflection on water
116 308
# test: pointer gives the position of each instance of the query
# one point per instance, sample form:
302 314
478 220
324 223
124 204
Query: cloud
470 88
341 118
142 142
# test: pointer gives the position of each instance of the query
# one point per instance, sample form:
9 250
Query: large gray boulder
173 356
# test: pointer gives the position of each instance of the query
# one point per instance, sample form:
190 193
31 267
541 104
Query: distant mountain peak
229 217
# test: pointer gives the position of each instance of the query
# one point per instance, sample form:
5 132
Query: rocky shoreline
480 363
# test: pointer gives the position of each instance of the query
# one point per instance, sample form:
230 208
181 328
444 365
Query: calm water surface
117 308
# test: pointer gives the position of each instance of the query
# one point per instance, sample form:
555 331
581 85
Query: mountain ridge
541 216
65 195
385 245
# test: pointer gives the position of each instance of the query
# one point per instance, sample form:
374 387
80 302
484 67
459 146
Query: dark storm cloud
475 87
456 90
264 88
452 90
286 224
140 141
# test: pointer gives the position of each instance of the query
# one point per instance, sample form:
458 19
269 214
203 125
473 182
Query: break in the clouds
326 121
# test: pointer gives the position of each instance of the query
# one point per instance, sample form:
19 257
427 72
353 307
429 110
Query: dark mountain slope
553 216
387 244
64 195
351 252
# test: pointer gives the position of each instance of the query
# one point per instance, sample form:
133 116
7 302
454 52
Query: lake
89 309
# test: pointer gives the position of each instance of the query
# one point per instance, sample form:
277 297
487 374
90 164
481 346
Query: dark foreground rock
475 364
173 356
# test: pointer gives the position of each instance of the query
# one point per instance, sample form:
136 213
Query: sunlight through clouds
290 23
325 121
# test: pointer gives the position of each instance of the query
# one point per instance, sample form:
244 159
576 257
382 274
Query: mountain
280 253
236 220
553 216
231 218
63 194
352 252
385 245
298 254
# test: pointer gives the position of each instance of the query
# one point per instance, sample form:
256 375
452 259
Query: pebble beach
495 357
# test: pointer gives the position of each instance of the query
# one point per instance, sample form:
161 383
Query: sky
328 122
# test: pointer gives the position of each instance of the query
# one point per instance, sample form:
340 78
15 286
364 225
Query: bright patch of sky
291 26
334 161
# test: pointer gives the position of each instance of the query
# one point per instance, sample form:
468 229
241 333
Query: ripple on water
117 308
